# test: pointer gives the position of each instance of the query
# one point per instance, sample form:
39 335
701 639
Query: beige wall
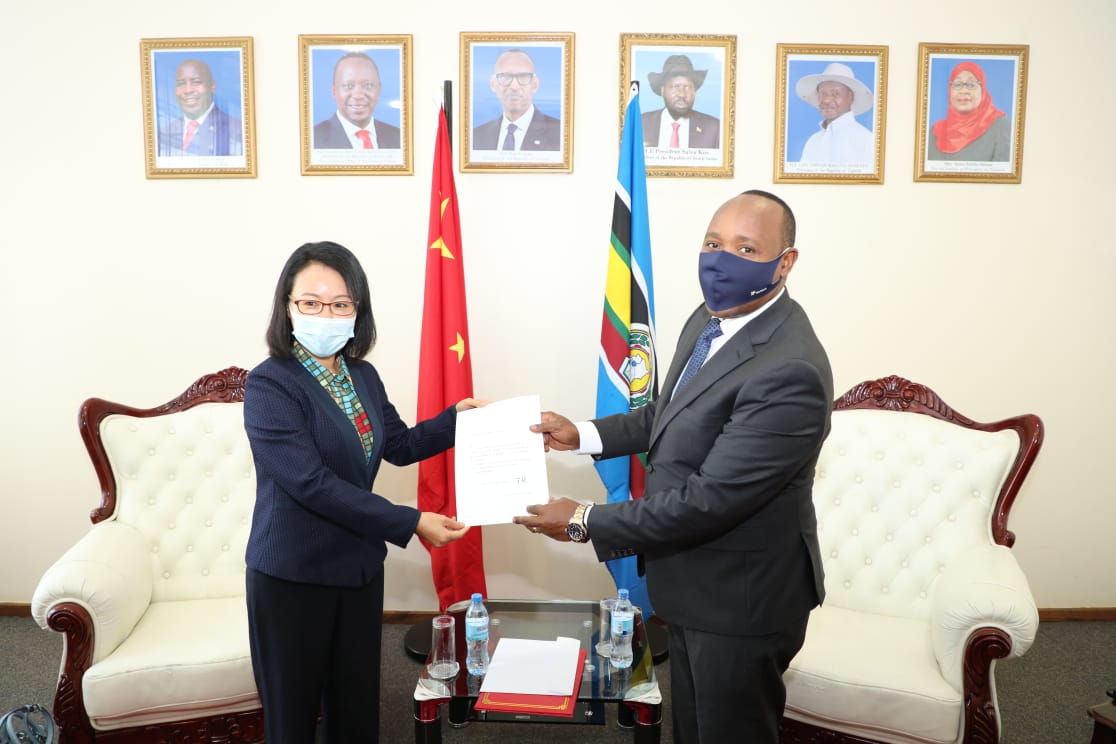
997 296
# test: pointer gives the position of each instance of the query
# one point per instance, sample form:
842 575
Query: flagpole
447 106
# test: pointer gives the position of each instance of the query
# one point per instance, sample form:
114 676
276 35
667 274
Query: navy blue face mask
728 280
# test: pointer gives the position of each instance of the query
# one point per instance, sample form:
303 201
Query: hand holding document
500 464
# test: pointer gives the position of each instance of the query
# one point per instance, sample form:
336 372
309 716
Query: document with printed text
500 464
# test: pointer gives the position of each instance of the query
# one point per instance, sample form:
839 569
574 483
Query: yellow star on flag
459 347
440 244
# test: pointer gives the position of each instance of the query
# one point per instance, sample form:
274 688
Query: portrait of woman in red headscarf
973 129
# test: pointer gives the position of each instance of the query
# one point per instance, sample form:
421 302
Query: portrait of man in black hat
677 126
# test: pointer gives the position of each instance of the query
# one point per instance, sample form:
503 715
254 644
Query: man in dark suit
203 129
677 125
522 126
356 89
726 529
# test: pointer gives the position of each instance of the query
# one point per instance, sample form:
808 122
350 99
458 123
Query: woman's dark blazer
316 519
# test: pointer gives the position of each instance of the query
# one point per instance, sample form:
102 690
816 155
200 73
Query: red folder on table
543 705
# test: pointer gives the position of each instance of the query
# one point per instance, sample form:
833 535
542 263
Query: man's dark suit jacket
705 130
545 133
330 135
316 519
726 527
219 134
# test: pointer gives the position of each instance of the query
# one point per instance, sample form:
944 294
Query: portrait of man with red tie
355 87
204 119
686 100
355 101
678 125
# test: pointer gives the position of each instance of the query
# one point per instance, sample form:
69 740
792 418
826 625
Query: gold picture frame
704 148
830 113
198 108
546 144
952 144
355 104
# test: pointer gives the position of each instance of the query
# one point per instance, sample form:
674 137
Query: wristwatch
576 529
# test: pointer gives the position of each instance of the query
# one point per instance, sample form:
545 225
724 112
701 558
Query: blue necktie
509 138
701 350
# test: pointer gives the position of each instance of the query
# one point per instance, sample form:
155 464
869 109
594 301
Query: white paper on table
531 667
500 464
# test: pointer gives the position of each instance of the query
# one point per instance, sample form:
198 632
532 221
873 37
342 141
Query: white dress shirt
521 126
666 128
845 140
352 129
200 120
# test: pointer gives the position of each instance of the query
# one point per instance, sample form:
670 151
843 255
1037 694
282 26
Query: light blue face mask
728 280
322 337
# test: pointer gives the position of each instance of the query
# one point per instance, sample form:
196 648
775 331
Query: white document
529 667
500 464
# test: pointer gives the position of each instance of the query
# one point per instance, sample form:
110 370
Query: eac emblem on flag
639 368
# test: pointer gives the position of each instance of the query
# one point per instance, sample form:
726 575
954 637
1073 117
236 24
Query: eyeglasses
504 79
969 85
341 308
367 86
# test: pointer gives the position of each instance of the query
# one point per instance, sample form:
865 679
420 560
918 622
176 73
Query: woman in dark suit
320 424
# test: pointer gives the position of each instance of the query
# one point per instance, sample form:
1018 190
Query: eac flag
446 376
627 377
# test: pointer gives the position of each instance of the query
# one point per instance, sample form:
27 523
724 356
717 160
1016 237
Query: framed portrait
830 113
972 102
355 99
517 102
687 98
198 112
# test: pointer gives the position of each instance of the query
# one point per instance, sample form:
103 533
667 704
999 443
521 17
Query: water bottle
622 624
476 637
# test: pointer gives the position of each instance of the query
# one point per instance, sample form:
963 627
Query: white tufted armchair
151 599
923 593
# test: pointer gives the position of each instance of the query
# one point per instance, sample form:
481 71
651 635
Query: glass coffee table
635 691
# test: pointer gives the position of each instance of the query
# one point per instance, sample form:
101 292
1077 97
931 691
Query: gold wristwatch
576 529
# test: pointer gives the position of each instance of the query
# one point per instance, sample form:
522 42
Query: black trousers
729 688
316 649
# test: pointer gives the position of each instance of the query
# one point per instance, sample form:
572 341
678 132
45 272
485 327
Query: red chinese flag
446 376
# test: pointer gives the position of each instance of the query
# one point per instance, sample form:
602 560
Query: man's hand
558 432
550 519
439 530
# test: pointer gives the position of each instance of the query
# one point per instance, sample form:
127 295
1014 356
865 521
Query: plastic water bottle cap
623 594
477 597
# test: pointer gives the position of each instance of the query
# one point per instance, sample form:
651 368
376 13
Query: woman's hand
438 529
467 403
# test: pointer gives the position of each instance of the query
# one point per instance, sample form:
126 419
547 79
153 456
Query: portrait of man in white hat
839 97
678 126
